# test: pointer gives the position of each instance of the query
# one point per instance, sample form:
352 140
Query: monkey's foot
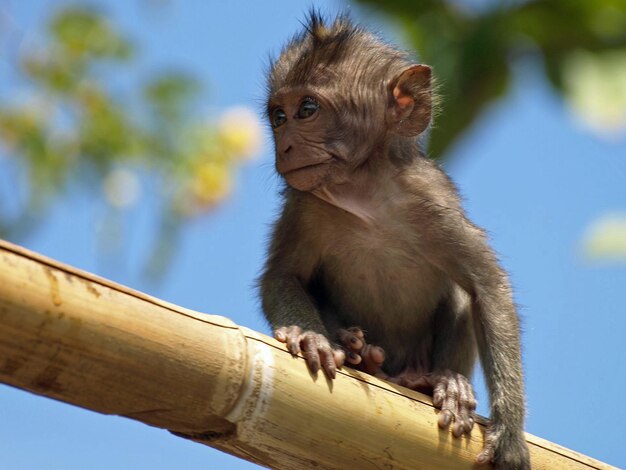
359 354
504 450
315 348
452 393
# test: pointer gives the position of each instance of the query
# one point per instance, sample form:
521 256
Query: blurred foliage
73 119
72 123
605 239
472 46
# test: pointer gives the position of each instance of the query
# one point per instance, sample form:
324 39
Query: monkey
373 262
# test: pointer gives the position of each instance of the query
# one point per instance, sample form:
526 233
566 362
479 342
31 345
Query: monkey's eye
278 117
308 108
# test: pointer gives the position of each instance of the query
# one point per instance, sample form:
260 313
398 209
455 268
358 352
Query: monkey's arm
286 303
288 306
291 262
297 322
459 248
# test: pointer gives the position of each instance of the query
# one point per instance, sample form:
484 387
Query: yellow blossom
239 133
211 182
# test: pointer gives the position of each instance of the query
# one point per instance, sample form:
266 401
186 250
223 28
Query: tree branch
69 335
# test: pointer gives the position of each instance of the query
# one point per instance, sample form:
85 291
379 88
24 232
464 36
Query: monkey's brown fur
373 234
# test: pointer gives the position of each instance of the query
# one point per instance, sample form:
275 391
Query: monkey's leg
315 348
453 357
452 393
359 354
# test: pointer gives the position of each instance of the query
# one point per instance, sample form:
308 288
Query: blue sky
529 174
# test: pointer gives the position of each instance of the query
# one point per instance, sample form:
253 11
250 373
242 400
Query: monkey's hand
452 393
504 449
360 355
315 348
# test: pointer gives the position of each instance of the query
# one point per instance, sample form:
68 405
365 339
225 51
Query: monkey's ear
411 99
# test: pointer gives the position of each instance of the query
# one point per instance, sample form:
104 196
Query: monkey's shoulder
425 182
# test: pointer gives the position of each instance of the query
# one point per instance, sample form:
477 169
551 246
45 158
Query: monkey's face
308 155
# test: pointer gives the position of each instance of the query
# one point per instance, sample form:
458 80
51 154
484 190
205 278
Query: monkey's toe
359 354
486 455
453 393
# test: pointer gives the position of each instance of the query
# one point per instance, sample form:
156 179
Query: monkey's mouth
312 166
308 177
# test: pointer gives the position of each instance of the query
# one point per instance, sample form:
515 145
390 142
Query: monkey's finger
308 345
439 394
467 404
340 357
463 422
349 340
451 397
445 418
356 331
470 423
450 405
327 360
471 411
353 358
458 428
294 338
373 358
281 334
470 399
374 354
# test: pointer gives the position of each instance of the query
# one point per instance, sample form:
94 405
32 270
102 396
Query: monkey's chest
373 273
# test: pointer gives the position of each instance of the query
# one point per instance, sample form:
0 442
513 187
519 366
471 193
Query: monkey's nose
287 149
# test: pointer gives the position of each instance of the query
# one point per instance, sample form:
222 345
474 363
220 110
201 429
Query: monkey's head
338 96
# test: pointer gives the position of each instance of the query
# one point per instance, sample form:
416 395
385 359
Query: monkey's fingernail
482 458
354 358
445 417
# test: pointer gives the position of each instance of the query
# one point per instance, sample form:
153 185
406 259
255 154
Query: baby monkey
373 262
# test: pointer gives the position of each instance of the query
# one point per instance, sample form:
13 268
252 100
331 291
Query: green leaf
83 32
471 49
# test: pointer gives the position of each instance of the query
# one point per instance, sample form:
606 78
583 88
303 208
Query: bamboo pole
72 336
